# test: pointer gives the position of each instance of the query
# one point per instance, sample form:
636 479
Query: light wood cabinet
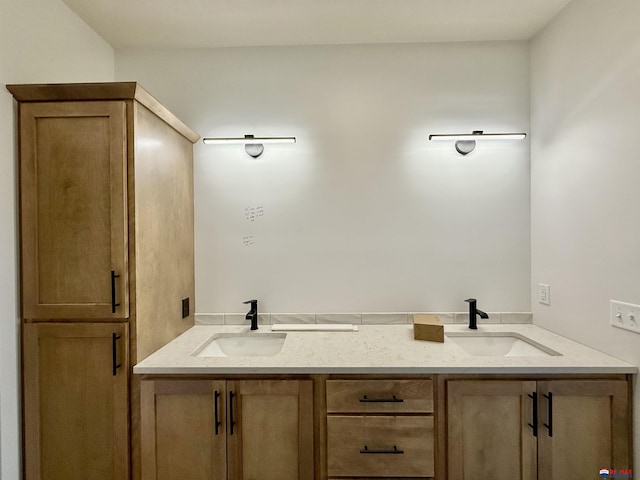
76 403
236 429
488 430
73 190
346 427
585 427
380 428
506 429
106 235
184 429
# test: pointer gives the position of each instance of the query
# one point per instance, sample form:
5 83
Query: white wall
41 41
363 213
585 71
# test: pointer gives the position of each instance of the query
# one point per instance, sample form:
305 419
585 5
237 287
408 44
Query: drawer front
383 446
379 396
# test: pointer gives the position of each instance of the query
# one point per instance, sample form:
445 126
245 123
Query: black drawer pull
550 405
216 414
114 354
232 422
393 399
395 451
113 291
534 413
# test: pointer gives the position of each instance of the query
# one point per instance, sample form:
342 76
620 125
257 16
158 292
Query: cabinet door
270 430
183 430
589 422
73 210
75 380
488 430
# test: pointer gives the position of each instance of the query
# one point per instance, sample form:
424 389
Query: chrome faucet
253 313
473 311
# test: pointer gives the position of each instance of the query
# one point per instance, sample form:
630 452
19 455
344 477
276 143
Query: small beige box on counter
428 327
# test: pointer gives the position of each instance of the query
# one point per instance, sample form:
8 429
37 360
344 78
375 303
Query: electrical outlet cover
185 307
544 292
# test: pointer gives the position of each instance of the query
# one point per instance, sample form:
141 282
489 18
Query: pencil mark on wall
252 213
247 240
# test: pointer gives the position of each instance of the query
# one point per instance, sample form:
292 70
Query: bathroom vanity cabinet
536 429
106 255
215 429
395 426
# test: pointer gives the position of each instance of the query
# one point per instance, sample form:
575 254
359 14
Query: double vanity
503 401
107 278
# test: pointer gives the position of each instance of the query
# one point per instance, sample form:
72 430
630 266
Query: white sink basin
500 344
247 344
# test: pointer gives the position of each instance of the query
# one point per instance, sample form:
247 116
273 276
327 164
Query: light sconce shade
466 142
254 146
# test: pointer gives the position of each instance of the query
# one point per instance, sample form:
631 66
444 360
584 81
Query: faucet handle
254 304
470 300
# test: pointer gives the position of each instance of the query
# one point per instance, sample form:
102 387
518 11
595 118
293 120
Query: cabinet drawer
383 446
379 396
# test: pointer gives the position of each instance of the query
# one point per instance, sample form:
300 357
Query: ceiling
235 23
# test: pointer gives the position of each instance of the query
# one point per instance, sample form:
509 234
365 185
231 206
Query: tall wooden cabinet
107 268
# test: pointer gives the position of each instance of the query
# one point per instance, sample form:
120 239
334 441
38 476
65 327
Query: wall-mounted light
466 142
254 146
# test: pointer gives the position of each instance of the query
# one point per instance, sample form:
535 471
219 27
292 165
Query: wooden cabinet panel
73 210
272 437
76 402
488 430
264 429
164 247
183 427
382 396
399 446
581 425
590 429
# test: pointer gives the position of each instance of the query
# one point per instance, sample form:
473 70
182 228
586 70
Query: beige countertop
378 349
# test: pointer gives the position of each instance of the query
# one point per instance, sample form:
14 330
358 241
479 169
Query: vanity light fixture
254 146
466 142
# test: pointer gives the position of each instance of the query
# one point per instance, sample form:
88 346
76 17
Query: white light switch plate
625 315
543 294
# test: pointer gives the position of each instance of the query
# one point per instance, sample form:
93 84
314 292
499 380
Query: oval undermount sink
247 344
500 344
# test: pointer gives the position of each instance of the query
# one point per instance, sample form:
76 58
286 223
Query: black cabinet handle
231 420
395 451
393 399
534 410
113 291
216 416
550 404
114 354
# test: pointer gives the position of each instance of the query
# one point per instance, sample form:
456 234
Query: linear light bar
466 142
477 136
254 146
248 140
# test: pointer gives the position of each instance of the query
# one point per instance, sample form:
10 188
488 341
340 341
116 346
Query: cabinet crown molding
60 92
